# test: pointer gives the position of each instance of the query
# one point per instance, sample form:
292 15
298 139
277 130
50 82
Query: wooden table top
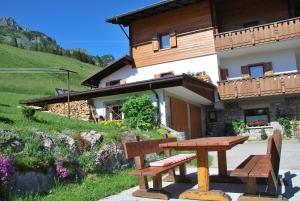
209 143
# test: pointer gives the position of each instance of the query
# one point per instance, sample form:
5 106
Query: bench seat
258 166
153 171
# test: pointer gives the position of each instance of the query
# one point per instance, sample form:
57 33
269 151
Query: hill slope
39 84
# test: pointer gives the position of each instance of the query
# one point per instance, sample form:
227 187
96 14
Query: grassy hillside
39 84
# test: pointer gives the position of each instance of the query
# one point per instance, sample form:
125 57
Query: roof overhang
93 80
204 89
150 10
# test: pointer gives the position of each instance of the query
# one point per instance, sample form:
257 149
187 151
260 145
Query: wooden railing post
282 83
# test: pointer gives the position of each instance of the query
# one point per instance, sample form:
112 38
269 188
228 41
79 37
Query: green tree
107 59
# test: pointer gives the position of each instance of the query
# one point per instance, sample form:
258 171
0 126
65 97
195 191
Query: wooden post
251 185
69 107
69 88
203 172
222 163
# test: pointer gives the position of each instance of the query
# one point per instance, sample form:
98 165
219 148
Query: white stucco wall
282 61
100 103
209 64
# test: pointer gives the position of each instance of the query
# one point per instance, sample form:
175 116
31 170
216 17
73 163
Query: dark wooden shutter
155 42
268 69
173 39
224 74
245 71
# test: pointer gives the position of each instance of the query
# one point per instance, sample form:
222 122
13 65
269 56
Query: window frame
109 109
161 41
266 110
110 83
262 65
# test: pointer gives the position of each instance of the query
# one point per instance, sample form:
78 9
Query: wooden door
179 116
196 122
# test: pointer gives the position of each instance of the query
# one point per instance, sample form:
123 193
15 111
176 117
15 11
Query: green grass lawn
93 188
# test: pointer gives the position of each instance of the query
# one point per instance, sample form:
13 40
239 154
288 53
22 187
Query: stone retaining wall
234 110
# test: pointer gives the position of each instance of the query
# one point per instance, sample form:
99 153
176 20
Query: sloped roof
93 80
197 86
150 10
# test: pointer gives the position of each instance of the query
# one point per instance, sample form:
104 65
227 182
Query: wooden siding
196 122
179 116
264 86
232 14
192 26
277 31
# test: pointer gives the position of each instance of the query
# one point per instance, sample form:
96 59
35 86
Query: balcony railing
262 86
272 32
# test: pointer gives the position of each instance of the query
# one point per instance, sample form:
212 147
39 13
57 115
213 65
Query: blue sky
76 23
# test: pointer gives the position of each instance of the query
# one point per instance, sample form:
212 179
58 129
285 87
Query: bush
263 134
237 126
285 122
28 112
139 113
87 161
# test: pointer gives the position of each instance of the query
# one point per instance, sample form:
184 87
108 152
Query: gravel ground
289 169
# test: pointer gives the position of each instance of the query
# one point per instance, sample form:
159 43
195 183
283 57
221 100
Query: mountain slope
39 84
13 34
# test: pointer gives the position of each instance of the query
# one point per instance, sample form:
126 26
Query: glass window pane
164 41
257 71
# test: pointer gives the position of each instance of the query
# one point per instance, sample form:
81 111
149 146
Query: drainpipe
158 104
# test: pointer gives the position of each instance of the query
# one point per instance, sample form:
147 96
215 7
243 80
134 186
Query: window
257 117
256 71
113 83
165 75
114 112
165 41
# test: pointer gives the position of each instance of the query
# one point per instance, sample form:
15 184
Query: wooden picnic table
202 146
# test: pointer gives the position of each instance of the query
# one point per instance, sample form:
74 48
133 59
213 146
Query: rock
10 22
110 158
31 182
92 137
11 139
47 142
17 146
70 142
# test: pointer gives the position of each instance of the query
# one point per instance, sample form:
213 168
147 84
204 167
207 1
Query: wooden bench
262 167
138 150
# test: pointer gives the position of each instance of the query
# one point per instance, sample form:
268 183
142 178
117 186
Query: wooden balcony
272 32
262 86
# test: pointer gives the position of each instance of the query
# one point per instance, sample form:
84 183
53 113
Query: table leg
223 177
203 193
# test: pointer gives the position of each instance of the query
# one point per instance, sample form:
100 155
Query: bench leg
272 184
181 178
251 185
143 183
156 192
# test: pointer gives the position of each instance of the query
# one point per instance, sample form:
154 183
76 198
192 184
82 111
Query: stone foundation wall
79 109
289 106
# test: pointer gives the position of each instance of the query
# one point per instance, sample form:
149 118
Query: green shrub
285 122
237 126
87 161
263 134
28 112
139 113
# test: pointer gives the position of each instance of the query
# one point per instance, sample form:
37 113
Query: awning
203 89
